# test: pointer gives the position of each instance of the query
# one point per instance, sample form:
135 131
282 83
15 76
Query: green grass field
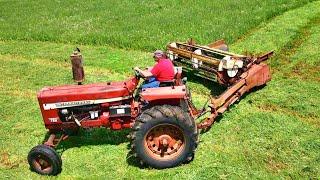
271 133
140 25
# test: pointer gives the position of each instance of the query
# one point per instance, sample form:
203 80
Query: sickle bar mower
239 73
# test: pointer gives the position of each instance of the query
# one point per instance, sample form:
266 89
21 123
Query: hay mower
164 131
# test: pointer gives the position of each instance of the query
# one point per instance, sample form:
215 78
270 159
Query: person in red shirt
162 71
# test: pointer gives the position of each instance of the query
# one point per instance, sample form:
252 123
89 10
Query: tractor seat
177 77
166 83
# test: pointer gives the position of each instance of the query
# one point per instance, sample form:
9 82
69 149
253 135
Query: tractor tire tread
178 116
51 154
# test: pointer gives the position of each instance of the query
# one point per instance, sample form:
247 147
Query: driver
162 71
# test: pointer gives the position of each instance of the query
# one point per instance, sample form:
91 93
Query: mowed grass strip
270 133
305 63
135 24
296 63
296 83
274 35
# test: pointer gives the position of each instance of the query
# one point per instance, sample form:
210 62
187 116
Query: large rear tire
44 160
164 136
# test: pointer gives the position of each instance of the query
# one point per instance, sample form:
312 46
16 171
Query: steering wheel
137 74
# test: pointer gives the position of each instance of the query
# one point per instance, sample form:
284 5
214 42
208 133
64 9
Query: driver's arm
144 73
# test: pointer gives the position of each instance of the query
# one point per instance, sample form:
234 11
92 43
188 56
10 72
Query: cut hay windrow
276 33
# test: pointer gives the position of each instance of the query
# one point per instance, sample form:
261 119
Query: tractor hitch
54 141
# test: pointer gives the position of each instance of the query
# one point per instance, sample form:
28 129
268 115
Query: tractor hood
73 95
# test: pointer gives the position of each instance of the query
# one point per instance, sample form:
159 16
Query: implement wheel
164 136
44 160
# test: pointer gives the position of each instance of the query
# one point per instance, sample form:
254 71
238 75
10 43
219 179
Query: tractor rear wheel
44 160
164 136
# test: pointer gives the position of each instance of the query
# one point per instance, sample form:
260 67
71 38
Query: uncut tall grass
133 24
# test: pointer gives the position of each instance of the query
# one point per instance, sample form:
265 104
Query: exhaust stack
77 66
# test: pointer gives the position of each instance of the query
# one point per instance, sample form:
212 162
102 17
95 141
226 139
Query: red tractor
164 132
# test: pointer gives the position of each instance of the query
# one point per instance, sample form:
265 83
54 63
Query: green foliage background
136 24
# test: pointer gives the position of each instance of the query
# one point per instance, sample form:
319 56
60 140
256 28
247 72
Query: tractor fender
162 93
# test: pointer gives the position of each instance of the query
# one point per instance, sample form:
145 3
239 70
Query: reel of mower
213 61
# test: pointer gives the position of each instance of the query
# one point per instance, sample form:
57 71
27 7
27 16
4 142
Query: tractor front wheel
44 160
164 136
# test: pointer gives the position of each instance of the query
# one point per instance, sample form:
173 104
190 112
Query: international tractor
163 120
